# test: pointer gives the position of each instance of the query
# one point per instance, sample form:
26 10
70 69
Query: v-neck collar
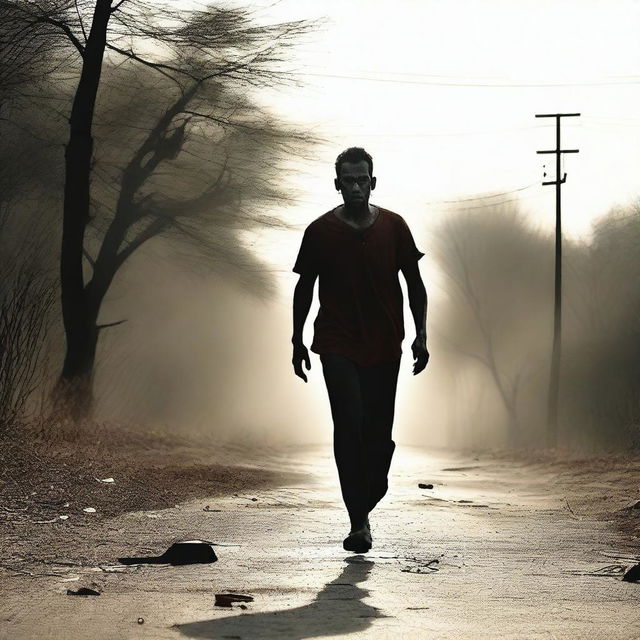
346 224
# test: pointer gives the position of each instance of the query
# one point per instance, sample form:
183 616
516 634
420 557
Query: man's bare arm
302 298
418 304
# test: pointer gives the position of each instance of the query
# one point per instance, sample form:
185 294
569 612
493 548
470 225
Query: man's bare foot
359 540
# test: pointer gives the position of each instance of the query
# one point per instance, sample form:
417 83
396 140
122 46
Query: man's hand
420 354
300 355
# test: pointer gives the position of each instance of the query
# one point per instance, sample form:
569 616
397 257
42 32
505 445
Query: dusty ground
499 548
46 485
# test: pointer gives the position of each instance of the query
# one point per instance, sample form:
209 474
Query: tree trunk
79 313
74 390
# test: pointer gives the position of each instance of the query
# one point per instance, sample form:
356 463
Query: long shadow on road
337 609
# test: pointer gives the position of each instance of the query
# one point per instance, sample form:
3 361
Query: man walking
356 251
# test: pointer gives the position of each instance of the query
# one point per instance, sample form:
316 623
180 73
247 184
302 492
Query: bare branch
110 324
152 230
158 66
117 6
84 33
90 260
65 29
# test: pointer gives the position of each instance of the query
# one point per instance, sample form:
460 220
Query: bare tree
25 306
495 267
27 295
203 54
601 369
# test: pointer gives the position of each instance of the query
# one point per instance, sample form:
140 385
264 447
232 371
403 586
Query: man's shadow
337 609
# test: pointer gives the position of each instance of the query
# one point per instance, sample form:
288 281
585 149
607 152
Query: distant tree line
495 328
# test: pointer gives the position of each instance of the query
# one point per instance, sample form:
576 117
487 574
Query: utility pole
554 378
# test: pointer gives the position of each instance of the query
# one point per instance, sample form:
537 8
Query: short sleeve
308 260
407 250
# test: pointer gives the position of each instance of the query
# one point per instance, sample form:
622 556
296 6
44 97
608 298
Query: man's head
354 176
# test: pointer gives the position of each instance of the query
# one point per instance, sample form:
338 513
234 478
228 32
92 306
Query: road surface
492 551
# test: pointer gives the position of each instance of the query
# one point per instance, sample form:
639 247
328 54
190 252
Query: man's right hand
300 355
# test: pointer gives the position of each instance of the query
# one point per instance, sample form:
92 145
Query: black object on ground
192 552
422 485
83 591
227 599
633 575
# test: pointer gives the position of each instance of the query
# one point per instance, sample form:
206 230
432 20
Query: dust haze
206 343
196 326
491 324
199 353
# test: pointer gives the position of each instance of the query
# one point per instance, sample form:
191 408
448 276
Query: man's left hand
420 354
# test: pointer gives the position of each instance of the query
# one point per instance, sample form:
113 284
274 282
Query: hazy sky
443 94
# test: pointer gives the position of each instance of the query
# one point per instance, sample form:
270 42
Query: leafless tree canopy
164 137
497 320
195 44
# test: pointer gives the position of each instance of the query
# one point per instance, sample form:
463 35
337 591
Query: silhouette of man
356 251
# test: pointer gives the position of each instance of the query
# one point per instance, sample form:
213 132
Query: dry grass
41 480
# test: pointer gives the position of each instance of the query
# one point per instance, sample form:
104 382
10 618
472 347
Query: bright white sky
443 94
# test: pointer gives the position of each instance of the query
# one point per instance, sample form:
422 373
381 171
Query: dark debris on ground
45 485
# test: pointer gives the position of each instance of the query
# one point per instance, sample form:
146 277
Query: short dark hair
354 154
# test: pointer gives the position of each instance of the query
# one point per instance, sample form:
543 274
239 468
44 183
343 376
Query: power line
612 119
501 85
458 200
420 75
495 204
483 197
635 78
604 125
412 134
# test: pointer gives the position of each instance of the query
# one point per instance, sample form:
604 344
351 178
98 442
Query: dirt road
497 549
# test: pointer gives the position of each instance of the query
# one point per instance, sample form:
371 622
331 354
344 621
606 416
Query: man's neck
359 213
363 221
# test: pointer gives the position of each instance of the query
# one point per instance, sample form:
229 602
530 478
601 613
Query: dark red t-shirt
361 300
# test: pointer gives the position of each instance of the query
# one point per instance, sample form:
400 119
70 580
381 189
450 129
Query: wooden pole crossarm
559 151
556 115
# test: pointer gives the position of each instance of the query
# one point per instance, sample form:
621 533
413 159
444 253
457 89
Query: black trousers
362 406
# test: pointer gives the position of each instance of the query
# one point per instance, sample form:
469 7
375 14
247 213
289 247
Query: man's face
354 183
